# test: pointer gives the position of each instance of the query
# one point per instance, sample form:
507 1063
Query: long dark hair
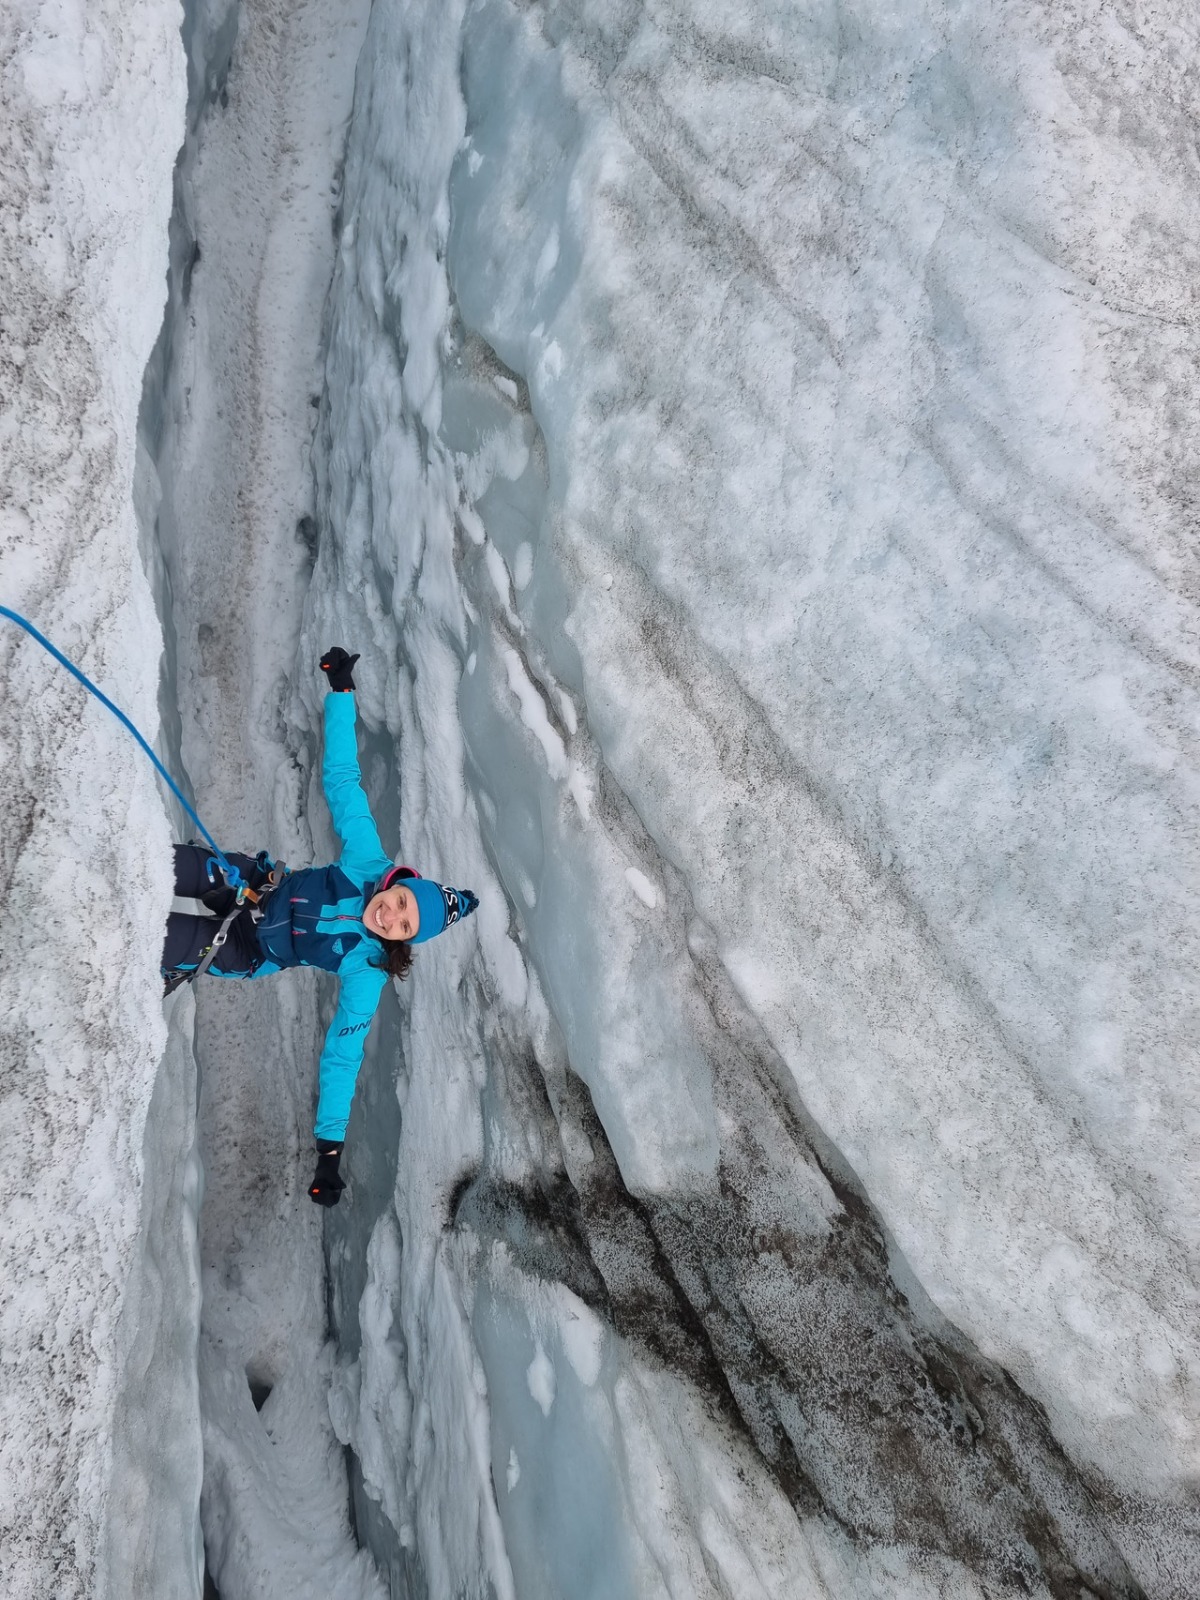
397 953
397 957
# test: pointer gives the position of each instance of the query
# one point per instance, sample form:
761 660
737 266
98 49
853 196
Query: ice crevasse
751 448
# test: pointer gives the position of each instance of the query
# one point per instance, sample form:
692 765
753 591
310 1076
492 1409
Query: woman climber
359 918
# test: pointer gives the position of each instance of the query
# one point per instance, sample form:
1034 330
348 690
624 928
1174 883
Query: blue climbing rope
232 876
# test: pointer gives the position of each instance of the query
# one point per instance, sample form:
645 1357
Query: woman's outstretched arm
358 998
362 854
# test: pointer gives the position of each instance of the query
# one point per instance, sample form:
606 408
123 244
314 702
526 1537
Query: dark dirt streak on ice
798 1339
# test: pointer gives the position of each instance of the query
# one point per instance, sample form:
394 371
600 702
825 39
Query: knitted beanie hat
438 905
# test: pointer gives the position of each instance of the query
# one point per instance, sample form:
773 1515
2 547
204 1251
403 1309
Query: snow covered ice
100 1454
752 448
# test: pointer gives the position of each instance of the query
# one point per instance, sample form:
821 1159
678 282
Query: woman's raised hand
327 1185
338 667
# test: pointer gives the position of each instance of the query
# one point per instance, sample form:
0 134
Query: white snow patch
541 1379
523 566
551 364
582 1335
547 260
498 572
472 524
534 715
642 887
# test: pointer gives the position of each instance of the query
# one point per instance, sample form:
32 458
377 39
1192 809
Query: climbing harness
232 876
251 900
176 980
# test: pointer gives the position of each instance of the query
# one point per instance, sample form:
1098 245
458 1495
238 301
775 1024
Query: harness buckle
258 897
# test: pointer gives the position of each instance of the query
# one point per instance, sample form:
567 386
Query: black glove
337 667
326 1187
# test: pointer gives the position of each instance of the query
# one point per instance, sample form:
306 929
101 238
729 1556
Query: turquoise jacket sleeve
358 996
360 982
362 854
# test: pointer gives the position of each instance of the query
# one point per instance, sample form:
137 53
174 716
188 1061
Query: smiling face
393 914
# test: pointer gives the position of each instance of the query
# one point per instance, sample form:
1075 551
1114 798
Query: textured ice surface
99 1426
232 395
852 399
100 1440
751 449
799 531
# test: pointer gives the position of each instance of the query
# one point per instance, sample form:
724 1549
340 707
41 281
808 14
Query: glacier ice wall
99 1417
898 659
749 447
763 437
